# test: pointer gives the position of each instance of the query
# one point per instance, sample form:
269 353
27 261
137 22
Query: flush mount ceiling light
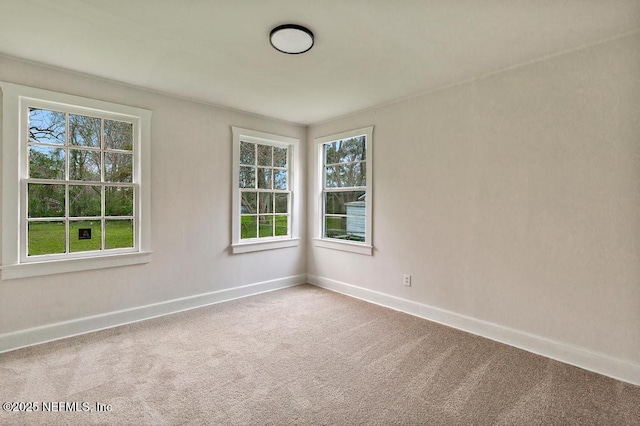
291 39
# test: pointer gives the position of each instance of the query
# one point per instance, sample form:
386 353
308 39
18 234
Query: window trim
14 171
319 240
293 239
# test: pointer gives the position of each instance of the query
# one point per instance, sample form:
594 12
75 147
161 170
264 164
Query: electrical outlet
406 280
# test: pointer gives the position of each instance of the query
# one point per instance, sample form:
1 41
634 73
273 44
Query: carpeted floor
302 355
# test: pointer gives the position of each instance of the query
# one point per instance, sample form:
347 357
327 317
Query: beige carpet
303 355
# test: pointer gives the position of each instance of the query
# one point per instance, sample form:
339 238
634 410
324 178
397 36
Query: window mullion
46 219
345 163
66 185
103 215
103 211
67 166
66 214
345 189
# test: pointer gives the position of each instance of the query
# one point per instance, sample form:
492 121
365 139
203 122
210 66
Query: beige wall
191 197
513 199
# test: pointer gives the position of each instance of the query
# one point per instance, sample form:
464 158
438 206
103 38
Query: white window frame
239 245
16 100
319 240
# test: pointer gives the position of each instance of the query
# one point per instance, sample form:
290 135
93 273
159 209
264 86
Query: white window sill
264 245
358 248
34 269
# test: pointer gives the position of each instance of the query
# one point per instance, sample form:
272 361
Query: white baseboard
589 360
61 330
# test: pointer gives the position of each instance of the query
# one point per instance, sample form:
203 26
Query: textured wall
513 199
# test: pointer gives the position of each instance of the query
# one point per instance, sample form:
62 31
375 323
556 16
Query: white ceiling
366 53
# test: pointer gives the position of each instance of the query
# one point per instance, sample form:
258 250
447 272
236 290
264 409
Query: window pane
265 202
351 175
280 179
356 228
335 227
280 157
46 162
118 167
281 225
249 227
84 165
282 203
331 178
45 200
46 238
349 202
247 177
350 228
266 226
118 135
248 203
345 176
331 153
247 153
85 235
46 126
354 149
264 178
345 150
264 155
84 200
118 234
118 201
84 131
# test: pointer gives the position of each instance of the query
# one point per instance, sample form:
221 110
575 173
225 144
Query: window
343 191
73 183
79 186
265 203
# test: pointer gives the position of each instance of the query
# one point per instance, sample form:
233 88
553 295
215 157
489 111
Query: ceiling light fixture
291 39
